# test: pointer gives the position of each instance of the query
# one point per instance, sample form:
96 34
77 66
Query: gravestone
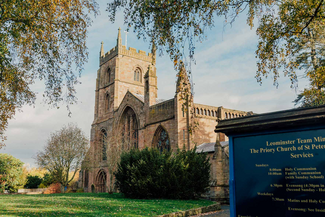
277 163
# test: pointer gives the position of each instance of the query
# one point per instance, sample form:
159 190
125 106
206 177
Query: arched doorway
128 127
101 181
161 139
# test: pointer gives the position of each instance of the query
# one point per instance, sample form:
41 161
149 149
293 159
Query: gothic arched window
104 144
137 75
129 129
161 139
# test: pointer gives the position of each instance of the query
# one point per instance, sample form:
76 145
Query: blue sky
223 76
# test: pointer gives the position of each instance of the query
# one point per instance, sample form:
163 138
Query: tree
11 170
64 152
33 181
291 33
43 40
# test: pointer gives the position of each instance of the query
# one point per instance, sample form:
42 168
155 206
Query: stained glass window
161 139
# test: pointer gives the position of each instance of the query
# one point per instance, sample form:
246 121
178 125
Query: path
224 212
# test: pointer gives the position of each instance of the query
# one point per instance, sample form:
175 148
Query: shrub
33 181
69 190
151 174
53 188
41 186
80 190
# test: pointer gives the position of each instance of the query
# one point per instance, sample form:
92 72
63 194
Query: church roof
141 97
209 147
205 147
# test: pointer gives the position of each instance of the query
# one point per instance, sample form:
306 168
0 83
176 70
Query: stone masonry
126 104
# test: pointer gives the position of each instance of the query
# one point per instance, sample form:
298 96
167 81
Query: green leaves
151 174
11 170
41 40
291 33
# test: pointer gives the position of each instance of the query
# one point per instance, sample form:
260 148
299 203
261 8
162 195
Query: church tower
120 70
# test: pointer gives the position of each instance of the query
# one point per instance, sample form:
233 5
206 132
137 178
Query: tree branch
312 17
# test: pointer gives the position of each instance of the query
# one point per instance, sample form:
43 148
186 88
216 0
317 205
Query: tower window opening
137 75
109 75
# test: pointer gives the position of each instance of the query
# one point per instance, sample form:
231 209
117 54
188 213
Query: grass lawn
90 204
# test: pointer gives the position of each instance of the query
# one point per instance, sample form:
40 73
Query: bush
80 190
12 188
151 174
41 186
33 181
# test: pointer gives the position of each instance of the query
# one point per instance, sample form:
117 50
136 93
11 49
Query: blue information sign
280 174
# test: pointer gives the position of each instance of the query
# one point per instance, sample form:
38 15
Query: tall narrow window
104 144
137 75
86 179
184 135
107 102
109 75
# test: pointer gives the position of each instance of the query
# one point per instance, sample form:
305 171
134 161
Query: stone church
127 105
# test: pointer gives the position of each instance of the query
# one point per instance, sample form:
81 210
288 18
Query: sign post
277 163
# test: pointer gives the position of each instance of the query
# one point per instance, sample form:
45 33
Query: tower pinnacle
119 38
102 53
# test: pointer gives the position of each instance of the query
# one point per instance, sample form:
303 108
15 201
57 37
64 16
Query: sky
223 76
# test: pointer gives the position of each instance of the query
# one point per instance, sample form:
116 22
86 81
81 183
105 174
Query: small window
197 111
205 112
109 75
226 115
137 75
209 113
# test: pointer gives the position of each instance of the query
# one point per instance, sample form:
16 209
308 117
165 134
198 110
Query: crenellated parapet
107 56
131 52
120 49
218 112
